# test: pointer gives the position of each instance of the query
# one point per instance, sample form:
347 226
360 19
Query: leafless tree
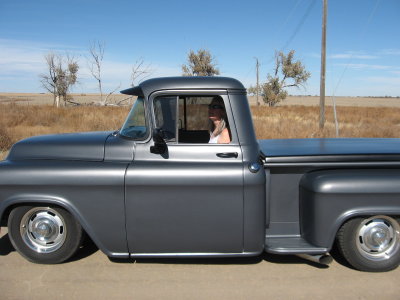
96 50
60 77
200 64
48 80
140 71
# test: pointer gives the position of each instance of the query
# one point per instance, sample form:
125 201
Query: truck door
188 200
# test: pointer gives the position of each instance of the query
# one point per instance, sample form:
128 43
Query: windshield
135 124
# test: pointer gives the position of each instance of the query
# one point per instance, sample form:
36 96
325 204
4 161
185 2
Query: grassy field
285 121
303 122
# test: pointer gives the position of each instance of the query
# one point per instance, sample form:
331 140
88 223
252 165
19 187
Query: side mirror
160 147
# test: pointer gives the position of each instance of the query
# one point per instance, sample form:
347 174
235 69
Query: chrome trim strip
385 164
119 255
197 254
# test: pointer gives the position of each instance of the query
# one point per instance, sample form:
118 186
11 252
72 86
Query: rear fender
329 198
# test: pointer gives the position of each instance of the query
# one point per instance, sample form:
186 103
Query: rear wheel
371 244
47 235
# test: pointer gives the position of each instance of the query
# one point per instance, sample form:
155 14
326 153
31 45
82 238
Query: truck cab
204 197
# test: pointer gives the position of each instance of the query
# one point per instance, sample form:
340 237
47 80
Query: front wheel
371 244
46 235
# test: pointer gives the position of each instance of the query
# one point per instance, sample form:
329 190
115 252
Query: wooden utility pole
257 86
323 69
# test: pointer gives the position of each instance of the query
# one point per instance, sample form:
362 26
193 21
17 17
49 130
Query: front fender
42 199
329 198
93 192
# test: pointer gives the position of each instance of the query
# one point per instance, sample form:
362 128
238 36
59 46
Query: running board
291 245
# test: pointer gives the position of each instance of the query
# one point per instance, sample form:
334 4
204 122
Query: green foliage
272 91
252 90
200 64
287 73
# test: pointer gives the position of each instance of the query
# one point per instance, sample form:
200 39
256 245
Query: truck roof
192 82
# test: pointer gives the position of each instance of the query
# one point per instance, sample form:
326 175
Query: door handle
228 154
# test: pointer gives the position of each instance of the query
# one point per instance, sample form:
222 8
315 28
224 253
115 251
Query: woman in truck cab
218 122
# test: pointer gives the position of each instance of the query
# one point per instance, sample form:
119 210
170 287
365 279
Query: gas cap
254 167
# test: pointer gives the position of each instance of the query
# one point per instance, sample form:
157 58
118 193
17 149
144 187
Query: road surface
91 275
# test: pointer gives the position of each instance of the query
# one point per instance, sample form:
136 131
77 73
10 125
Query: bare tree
287 73
200 64
96 50
60 77
48 80
140 71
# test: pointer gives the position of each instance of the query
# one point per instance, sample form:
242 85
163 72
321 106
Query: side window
192 119
203 120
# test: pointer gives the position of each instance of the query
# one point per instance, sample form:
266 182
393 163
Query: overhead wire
300 25
297 28
362 32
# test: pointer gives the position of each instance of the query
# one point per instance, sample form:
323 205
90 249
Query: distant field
340 101
39 99
43 99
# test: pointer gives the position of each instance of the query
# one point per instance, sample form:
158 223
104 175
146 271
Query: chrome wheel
42 230
44 234
371 243
378 238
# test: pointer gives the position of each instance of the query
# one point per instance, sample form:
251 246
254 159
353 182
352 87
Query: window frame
196 93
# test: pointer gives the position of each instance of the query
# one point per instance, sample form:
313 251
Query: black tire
46 235
371 244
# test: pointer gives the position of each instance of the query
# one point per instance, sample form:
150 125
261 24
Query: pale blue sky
363 45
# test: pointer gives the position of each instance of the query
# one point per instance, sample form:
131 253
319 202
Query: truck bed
330 150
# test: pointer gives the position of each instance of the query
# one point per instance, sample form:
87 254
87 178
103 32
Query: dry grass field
303 122
376 118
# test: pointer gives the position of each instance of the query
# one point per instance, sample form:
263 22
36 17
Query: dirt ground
91 275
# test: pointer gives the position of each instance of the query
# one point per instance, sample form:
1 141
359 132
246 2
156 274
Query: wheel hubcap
42 230
378 238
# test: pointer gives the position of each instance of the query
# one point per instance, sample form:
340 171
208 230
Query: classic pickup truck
158 188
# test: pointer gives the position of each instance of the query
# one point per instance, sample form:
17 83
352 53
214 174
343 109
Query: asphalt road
91 275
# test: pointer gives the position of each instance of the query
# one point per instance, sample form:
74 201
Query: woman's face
216 111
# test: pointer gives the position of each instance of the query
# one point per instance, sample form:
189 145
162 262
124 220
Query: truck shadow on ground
5 245
270 258
88 248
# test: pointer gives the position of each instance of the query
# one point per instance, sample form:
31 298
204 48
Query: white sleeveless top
214 139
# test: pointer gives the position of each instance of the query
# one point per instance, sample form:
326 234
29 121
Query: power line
297 28
362 33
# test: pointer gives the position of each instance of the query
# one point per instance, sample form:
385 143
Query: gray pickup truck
158 188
